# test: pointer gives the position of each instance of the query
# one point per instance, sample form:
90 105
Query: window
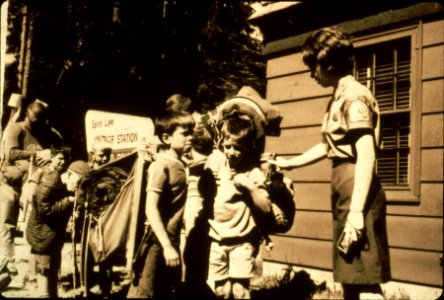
385 66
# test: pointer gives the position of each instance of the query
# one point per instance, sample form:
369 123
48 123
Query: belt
337 161
252 236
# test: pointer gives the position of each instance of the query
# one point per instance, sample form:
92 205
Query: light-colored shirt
233 217
352 107
167 176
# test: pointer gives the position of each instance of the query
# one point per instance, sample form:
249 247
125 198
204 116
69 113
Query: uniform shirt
167 176
352 107
233 217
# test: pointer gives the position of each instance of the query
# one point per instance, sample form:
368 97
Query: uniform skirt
368 261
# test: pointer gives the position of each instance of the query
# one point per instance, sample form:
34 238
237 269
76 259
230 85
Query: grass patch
400 294
298 284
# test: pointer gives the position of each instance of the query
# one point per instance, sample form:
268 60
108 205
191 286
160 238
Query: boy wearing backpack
160 275
252 200
241 196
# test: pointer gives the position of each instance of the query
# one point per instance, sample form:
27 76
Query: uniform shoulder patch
358 111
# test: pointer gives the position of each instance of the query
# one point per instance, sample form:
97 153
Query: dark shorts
156 280
369 262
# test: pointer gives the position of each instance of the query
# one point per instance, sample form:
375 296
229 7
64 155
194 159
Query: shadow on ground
120 285
294 284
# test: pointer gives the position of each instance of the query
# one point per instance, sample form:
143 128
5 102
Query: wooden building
400 57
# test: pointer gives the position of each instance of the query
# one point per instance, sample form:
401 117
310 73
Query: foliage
129 56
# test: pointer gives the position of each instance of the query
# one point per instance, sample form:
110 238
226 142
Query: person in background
100 155
195 242
25 145
196 214
51 210
350 132
100 152
180 102
240 198
160 276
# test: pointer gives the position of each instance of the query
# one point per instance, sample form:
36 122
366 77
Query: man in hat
23 143
50 213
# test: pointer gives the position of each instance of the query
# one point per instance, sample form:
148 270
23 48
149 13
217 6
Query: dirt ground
301 284
19 289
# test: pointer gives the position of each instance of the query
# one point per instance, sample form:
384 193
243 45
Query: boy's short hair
65 150
240 127
179 102
102 143
170 120
37 109
202 141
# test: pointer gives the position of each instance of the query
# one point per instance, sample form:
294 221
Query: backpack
279 188
281 192
106 194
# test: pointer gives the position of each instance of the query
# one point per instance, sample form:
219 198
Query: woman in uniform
350 138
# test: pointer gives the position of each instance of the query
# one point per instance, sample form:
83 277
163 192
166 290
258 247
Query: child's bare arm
172 257
259 195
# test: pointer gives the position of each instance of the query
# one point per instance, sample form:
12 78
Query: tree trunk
28 52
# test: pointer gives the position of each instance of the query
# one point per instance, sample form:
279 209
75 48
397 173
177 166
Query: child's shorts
231 261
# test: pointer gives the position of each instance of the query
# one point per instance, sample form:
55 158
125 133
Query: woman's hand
354 225
352 232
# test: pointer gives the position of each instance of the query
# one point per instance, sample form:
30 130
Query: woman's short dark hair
331 48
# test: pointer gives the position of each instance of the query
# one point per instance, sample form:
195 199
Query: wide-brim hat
265 116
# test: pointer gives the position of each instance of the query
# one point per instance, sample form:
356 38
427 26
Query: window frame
411 192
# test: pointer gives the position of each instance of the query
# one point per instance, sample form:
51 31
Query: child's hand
172 258
242 181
